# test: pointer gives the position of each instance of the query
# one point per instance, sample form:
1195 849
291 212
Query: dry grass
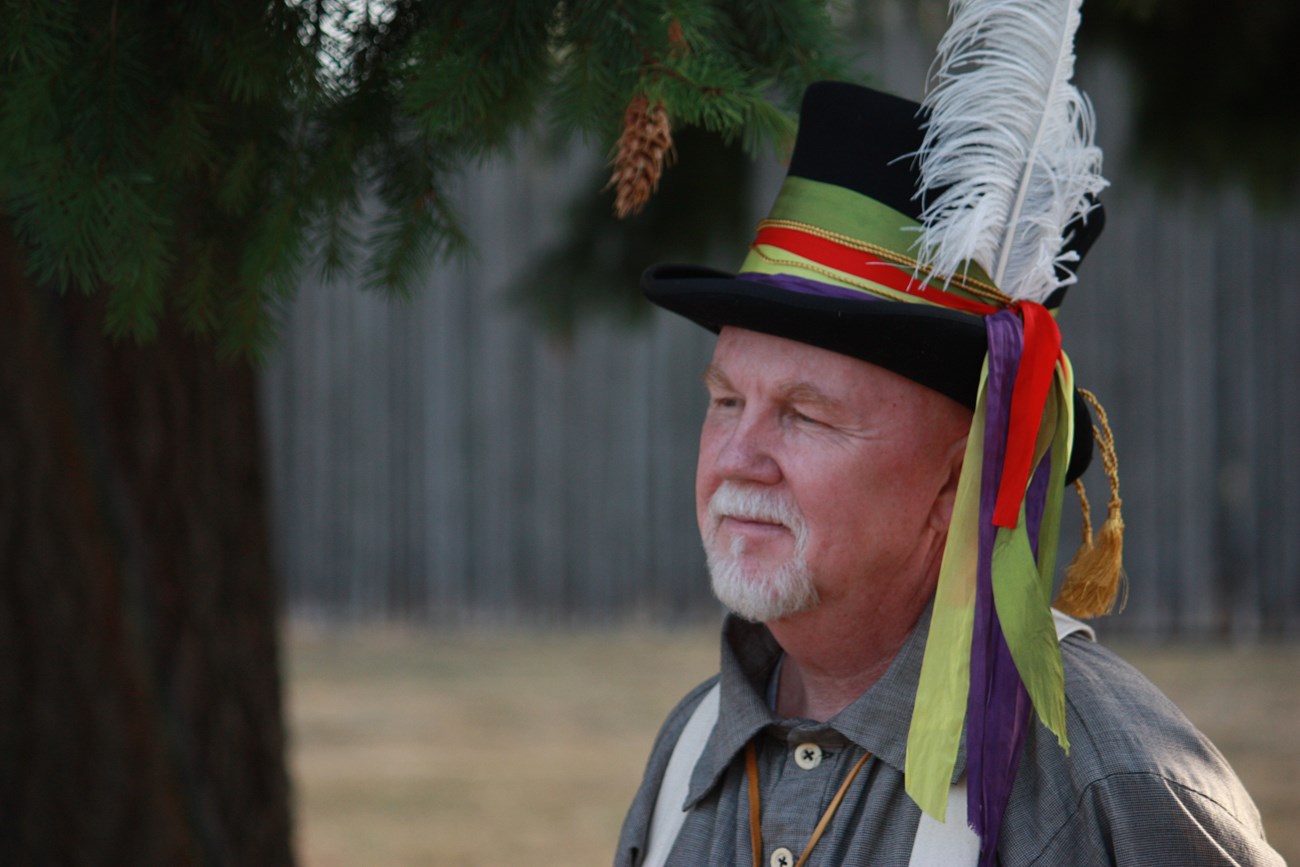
495 748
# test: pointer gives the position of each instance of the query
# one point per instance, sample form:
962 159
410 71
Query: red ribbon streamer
1042 349
859 263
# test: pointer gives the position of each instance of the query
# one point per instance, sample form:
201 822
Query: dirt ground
496 748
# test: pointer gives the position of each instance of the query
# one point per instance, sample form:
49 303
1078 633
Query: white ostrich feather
1008 158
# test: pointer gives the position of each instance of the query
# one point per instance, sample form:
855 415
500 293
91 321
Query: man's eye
724 402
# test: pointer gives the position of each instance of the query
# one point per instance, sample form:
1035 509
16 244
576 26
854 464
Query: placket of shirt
801 766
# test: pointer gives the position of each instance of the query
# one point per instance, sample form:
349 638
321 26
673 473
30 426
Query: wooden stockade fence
438 459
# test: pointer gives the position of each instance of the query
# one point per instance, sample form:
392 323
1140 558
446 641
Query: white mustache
747 503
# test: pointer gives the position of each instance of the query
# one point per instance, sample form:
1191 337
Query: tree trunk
140 716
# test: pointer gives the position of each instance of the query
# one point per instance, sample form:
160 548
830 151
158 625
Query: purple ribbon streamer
998 706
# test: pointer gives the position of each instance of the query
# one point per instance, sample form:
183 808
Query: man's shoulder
1118 720
1140 780
1118 724
680 715
635 825
669 733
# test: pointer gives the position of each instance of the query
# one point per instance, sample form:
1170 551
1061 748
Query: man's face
830 479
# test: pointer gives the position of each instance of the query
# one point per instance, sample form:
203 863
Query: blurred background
514 442
383 564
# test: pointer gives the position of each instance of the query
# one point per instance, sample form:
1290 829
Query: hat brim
941 349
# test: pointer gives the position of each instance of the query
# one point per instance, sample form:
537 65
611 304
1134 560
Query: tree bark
140 710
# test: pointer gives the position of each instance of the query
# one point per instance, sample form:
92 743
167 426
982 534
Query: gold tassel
1095 577
642 151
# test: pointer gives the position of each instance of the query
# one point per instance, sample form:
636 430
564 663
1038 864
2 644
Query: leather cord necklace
755 819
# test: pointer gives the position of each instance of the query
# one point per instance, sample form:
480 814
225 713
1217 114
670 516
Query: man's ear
941 511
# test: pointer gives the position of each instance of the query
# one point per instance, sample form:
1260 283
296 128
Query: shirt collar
878 720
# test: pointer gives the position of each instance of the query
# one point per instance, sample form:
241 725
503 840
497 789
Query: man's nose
748 452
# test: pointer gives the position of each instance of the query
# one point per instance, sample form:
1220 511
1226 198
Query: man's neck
832 658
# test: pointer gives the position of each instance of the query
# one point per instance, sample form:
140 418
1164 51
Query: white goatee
756 593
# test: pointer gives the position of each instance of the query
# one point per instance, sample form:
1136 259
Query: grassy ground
496 748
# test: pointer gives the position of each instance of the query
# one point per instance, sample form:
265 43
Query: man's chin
763 596
772 611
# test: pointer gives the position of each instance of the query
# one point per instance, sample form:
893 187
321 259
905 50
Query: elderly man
847 405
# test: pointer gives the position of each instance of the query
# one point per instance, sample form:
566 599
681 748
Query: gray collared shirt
1141 785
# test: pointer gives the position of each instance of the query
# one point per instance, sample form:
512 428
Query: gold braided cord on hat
979 288
1095 577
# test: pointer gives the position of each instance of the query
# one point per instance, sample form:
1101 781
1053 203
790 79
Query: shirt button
782 857
808 756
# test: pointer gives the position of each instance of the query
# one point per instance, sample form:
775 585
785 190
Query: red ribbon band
859 263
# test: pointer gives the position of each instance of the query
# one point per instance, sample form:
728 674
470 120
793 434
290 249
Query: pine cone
643 149
677 38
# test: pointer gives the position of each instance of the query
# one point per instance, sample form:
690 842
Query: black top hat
832 265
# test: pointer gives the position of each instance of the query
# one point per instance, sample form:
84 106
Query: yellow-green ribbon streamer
940 709
1022 588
